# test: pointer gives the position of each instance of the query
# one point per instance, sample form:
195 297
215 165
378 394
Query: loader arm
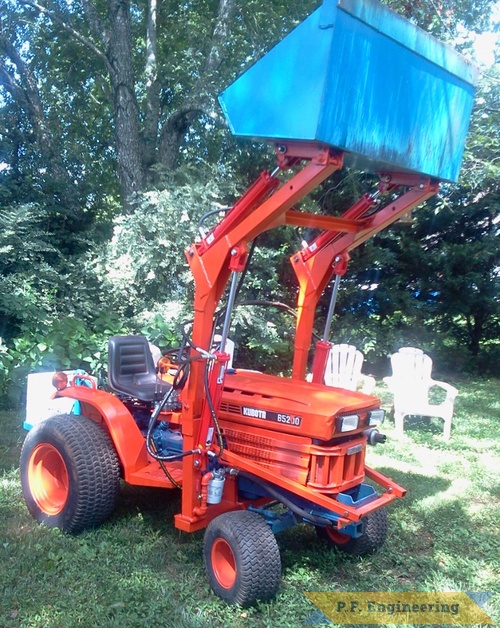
223 252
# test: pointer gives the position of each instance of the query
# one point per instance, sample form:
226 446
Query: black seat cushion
131 369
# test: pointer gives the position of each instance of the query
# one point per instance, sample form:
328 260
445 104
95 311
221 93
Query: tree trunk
137 151
126 110
475 328
152 114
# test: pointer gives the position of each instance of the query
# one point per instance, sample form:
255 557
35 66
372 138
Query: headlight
347 423
376 417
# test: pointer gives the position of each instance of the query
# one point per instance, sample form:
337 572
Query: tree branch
220 35
29 92
9 83
67 27
152 117
96 24
173 132
201 98
151 43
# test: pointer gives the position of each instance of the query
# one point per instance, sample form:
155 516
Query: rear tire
242 558
372 539
70 473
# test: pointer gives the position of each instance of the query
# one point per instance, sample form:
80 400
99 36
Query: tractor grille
232 408
328 469
289 459
337 468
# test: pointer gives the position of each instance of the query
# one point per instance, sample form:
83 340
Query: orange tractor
255 453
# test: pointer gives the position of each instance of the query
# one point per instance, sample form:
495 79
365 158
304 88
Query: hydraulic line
179 380
212 212
164 468
297 510
213 414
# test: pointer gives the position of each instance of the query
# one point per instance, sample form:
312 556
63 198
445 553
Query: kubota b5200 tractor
255 453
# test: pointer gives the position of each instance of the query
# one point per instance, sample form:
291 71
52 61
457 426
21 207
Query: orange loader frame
223 251
219 256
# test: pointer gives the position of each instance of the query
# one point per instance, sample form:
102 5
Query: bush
67 344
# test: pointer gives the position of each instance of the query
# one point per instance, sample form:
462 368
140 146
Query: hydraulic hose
297 510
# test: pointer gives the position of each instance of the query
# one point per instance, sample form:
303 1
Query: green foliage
142 270
41 275
60 344
481 170
28 278
445 19
70 343
432 282
56 131
137 569
263 336
69 258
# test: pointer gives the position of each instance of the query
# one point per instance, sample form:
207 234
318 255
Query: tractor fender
105 408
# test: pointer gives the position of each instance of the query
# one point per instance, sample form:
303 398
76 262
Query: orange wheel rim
223 563
48 479
337 537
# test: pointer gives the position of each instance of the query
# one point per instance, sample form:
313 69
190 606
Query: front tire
70 474
242 558
372 539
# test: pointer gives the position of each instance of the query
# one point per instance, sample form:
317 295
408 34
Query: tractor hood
291 406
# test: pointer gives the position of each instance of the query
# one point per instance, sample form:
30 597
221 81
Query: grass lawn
138 570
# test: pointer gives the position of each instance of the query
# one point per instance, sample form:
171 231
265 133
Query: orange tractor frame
253 453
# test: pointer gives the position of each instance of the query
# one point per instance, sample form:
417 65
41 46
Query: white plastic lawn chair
410 384
155 352
343 369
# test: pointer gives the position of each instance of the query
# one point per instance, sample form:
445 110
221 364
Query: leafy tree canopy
110 134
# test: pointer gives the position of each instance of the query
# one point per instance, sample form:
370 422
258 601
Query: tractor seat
131 369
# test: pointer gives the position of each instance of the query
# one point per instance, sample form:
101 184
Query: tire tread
257 553
371 540
89 452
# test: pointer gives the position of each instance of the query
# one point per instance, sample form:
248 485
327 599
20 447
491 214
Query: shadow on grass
410 549
137 568
156 507
418 486
11 440
422 426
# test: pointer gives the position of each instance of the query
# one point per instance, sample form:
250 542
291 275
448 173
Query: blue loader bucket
360 78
